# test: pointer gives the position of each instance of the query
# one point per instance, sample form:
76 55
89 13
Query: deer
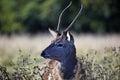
62 62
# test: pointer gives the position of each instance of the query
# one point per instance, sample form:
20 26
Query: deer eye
60 45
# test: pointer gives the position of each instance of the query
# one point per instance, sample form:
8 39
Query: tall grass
20 60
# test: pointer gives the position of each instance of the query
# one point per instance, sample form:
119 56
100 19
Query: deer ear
54 34
70 37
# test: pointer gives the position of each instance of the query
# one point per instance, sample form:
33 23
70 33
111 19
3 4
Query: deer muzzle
44 54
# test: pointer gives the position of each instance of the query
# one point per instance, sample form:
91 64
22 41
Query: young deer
63 64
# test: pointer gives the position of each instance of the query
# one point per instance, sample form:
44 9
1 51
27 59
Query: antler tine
58 26
74 19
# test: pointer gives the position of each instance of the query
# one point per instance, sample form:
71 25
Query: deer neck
68 65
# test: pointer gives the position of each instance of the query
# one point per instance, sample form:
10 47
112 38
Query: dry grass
99 53
39 42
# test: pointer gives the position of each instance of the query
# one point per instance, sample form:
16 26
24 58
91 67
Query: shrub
98 66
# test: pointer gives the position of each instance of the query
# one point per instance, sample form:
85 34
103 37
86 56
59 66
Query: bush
98 66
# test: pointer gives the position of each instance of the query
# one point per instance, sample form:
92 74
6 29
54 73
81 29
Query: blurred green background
33 16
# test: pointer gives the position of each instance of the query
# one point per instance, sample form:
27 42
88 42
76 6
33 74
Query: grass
20 60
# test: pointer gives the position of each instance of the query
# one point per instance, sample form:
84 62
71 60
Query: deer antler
58 26
74 19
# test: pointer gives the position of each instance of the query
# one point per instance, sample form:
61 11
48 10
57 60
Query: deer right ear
54 34
70 37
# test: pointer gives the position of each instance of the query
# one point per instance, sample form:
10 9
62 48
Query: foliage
37 15
107 68
104 67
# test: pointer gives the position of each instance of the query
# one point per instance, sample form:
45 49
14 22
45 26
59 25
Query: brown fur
51 71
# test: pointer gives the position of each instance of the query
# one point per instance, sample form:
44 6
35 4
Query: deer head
63 44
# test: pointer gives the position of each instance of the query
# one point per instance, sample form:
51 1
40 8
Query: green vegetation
37 15
102 65
20 56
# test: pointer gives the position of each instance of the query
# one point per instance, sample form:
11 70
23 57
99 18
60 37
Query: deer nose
43 53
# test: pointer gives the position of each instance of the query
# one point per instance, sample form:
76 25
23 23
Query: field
20 55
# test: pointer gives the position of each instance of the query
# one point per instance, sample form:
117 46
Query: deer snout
44 54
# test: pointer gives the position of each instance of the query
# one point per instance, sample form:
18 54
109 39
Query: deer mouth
45 55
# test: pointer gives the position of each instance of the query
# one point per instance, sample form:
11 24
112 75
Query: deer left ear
54 34
70 37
